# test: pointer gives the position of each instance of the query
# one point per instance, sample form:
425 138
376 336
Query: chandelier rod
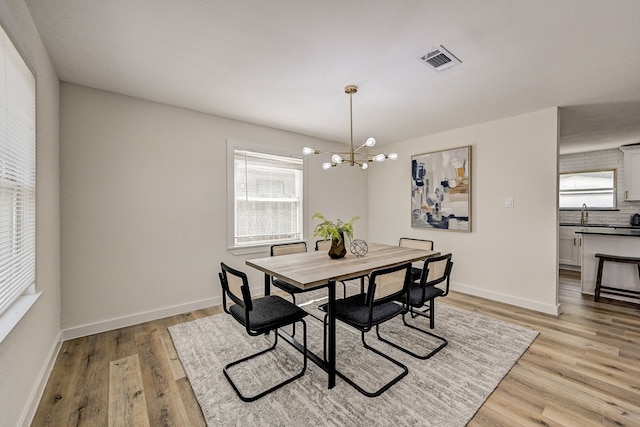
351 89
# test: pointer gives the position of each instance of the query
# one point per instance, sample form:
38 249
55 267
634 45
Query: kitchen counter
577 224
625 232
611 242
587 225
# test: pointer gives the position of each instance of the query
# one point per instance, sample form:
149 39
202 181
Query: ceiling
284 63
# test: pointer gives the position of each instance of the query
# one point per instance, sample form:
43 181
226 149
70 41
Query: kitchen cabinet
570 246
631 172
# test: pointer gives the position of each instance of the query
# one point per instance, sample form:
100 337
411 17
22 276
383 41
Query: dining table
311 270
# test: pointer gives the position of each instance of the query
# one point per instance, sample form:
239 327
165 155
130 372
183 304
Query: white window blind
267 198
596 189
17 174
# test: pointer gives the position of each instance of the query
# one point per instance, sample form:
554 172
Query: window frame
232 146
613 189
27 294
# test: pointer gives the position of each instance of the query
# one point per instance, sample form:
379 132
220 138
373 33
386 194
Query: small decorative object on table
335 231
359 247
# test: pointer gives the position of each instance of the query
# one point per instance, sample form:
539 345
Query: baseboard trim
507 299
134 319
37 391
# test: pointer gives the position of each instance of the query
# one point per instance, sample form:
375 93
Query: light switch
508 202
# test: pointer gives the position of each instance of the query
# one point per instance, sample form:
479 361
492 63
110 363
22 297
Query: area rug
446 390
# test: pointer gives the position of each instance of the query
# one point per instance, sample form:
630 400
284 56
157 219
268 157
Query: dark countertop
625 232
620 226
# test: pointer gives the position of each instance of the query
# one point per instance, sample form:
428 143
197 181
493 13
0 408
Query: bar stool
609 289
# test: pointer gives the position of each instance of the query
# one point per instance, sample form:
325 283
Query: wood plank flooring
582 370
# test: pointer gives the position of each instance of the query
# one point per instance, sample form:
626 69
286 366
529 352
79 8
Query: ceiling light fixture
353 157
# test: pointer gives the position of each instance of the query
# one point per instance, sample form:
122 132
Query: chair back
408 242
437 270
323 245
235 285
288 248
388 284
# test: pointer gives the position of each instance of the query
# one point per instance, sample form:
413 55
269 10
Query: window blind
17 174
596 189
267 198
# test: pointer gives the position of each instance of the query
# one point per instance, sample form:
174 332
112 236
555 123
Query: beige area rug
446 390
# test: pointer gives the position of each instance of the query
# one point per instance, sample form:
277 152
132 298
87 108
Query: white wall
511 254
26 352
144 206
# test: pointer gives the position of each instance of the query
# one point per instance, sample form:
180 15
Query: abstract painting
441 190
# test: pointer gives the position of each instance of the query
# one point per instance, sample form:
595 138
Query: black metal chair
376 306
285 249
437 270
259 316
323 245
409 242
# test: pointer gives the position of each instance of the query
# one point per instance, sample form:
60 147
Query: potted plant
335 231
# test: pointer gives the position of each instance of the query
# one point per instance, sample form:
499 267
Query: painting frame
441 190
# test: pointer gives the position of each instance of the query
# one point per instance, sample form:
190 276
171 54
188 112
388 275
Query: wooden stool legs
608 289
596 294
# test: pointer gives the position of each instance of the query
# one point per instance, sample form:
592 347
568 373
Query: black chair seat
268 313
415 294
355 312
287 287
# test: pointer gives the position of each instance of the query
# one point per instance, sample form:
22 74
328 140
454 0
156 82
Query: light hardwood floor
582 370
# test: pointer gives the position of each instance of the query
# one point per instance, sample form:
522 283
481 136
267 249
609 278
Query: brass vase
337 249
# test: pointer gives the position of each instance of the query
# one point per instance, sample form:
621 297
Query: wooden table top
312 269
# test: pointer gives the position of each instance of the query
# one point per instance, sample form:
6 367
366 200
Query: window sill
248 250
10 318
261 248
589 209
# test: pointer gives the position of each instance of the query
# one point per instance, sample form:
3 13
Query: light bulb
336 158
365 166
308 151
370 142
393 156
326 166
379 158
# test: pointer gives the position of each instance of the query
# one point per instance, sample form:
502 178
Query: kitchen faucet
584 214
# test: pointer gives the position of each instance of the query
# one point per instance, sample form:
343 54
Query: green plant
328 229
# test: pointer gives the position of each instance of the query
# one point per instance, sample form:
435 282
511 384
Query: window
267 198
17 175
596 189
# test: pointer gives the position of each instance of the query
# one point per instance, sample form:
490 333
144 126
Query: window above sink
596 189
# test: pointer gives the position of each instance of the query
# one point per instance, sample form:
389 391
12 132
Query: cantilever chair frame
286 287
425 297
370 301
285 248
410 242
273 323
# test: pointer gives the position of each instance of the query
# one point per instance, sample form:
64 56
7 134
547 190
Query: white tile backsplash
605 159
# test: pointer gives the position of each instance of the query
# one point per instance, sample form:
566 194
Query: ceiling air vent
439 59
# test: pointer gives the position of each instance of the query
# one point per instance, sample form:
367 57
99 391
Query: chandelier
353 157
